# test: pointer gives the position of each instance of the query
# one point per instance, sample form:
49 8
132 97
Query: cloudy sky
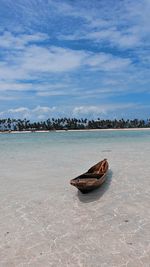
78 58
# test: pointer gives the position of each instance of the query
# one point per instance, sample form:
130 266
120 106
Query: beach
44 221
77 130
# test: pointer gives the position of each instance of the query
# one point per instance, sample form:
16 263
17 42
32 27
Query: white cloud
124 25
12 86
15 42
38 112
38 63
19 110
54 59
108 62
104 111
100 110
40 109
41 88
115 37
35 61
52 93
7 98
121 26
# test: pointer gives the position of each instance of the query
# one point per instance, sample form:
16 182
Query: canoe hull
87 189
92 179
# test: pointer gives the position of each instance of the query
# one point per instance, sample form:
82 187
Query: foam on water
47 222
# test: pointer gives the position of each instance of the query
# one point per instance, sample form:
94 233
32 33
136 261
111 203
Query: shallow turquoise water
65 146
71 138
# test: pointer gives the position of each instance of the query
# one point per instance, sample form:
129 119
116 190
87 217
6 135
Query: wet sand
44 221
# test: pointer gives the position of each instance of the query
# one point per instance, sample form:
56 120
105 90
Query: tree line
70 124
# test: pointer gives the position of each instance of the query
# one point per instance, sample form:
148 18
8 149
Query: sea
44 221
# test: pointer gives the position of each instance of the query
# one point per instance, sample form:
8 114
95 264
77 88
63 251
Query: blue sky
76 58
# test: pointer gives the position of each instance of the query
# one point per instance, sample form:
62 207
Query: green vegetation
70 124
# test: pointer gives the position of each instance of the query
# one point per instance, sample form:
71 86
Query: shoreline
79 130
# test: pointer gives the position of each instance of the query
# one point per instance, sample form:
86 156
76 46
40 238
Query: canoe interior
89 175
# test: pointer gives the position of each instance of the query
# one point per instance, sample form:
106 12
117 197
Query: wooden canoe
91 179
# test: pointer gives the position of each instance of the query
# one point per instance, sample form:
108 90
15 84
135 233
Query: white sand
44 221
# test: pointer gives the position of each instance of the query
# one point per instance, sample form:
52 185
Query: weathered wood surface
91 179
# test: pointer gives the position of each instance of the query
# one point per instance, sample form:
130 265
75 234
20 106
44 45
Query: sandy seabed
44 221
